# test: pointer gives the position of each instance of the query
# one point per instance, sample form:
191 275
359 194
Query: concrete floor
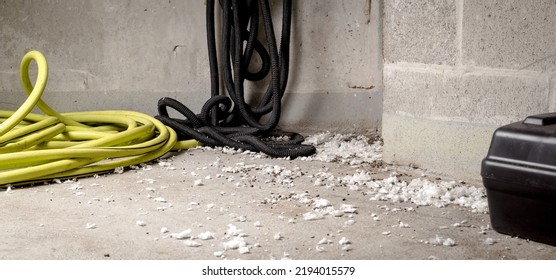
220 205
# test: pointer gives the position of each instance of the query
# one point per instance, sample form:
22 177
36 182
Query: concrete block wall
455 70
112 54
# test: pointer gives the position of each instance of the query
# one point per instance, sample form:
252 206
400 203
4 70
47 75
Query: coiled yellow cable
36 147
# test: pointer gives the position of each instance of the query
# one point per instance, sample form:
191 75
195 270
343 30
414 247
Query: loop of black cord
231 121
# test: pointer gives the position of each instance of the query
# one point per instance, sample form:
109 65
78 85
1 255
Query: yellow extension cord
36 147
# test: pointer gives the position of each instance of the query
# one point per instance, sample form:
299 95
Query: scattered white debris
159 199
233 230
9 190
448 242
344 149
286 256
489 241
75 186
346 247
403 225
141 223
182 235
303 198
165 163
192 243
90 226
337 213
235 243
240 219
324 241
484 229
150 181
320 203
243 250
119 170
218 254
344 241
350 149
460 224
422 191
205 235
311 216
346 208
318 182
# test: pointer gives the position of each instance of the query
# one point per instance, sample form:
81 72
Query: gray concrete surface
264 200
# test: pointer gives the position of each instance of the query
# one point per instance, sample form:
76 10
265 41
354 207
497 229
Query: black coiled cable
231 121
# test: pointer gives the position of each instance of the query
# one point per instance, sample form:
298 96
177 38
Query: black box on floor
519 174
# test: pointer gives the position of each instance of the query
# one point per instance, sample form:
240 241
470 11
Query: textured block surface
482 97
420 31
510 34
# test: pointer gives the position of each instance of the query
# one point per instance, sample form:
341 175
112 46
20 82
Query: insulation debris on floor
205 203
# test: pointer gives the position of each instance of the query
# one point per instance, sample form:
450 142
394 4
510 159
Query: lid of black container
530 142
524 154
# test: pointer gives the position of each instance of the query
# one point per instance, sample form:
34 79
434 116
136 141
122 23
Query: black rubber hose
213 58
182 109
235 87
231 121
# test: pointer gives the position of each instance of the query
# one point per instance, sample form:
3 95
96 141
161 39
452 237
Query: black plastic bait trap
519 174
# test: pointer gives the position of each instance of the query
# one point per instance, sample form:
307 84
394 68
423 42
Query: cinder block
510 34
482 97
420 31
450 148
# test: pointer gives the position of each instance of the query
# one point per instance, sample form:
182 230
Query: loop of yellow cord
36 147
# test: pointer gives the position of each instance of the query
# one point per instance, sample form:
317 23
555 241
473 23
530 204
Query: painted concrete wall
113 54
454 70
